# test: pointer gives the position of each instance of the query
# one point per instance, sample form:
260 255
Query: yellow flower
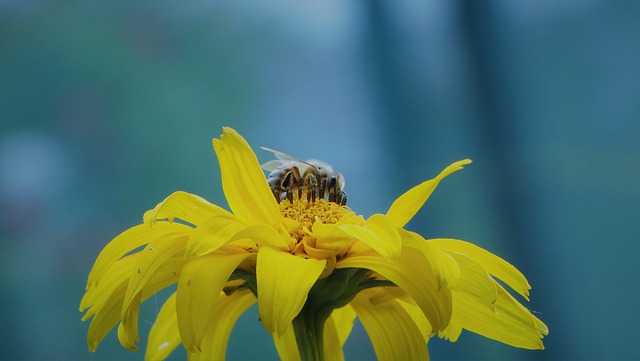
312 267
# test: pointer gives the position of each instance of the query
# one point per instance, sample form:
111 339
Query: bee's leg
322 188
311 186
289 196
342 199
332 185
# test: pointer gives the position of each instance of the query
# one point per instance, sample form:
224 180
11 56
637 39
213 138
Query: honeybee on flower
311 264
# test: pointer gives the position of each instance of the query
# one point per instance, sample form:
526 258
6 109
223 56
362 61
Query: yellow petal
163 275
332 343
224 314
444 266
408 204
199 286
511 323
243 181
330 237
413 273
287 346
264 235
155 255
475 281
116 275
105 318
212 234
452 332
104 301
393 333
495 265
185 206
343 319
128 241
128 328
160 257
378 233
284 281
411 308
163 336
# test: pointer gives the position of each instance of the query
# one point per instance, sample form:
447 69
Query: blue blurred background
107 108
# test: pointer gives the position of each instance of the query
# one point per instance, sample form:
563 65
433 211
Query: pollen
306 212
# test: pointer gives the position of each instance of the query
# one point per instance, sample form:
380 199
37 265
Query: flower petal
185 206
160 257
393 333
212 234
163 336
378 233
343 319
287 346
128 241
243 181
105 301
413 273
332 343
418 318
495 265
263 235
408 204
475 281
444 266
199 286
224 314
284 281
511 323
330 237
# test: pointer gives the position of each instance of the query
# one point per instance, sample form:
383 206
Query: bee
291 177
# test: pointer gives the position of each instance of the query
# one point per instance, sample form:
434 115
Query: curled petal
408 204
243 181
284 281
330 237
444 266
128 241
343 319
378 233
332 342
510 323
286 345
185 206
412 273
263 235
417 316
104 302
393 333
164 336
163 256
495 265
224 314
212 234
199 286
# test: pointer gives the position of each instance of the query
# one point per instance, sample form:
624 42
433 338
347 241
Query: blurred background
107 108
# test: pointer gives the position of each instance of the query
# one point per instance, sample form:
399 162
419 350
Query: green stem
309 329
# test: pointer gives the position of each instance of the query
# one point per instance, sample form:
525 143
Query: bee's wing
271 165
283 157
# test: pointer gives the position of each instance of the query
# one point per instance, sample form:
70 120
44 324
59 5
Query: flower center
305 212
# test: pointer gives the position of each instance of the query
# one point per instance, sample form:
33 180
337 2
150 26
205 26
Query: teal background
108 107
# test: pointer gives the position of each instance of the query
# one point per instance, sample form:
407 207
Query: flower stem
309 329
